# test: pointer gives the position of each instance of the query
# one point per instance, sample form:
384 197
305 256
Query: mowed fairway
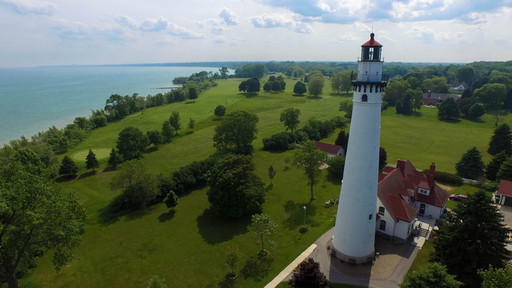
186 246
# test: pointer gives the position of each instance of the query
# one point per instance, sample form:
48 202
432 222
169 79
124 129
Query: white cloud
29 6
159 25
280 21
229 17
350 11
154 25
77 31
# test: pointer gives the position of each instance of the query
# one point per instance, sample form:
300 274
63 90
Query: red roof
394 189
328 148
505 188
372 42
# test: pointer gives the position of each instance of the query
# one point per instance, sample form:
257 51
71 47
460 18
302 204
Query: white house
405 193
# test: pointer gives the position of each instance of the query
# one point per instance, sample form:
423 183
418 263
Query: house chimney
431 174
400 164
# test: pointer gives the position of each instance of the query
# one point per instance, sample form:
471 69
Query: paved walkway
388 270
289 269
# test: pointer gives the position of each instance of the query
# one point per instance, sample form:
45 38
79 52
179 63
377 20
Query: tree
262 228
501 140
171 200
90 161
220 111
476 111
436 85
465 104
383 157
235 133
232 259
505 171
493 167
316 85
138 187
192 93
299 88
466 74
336 168
470 165
271 173
496 277
394 91
308 275
433 276
68 167
35 216
310 158
235 190
347 106
174 120
472 238
290 117
156 282
167 132
342 139
115 159
448 110
491 95
154 137
336 81
191 124
404 105
131 142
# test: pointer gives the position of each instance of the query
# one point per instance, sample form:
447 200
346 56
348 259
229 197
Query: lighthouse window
371 88
364 98
364 88
370 217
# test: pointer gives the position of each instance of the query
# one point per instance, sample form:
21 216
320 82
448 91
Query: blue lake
34 99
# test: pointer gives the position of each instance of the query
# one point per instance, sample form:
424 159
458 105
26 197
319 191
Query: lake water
34 99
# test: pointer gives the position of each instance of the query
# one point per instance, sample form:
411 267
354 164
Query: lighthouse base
353 259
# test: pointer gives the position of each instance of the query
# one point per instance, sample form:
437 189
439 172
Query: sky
92 32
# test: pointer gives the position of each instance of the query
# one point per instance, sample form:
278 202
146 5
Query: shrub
278 142
447 178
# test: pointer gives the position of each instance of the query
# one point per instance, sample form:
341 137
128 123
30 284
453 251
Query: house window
364 98
370 217
382 225
382 210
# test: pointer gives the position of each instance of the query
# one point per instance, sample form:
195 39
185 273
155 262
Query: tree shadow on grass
61 179
216 229
295 212
167 216
87 174
108 215
314 97
257 267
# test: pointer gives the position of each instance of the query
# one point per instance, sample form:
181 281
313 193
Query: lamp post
305 215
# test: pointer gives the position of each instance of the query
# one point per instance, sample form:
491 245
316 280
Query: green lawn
186 246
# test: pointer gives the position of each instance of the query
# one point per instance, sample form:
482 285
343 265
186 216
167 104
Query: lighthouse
354 233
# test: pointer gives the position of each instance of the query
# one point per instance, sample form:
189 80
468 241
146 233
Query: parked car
458 197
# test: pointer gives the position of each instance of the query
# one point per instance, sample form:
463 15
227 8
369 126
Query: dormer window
382 210
423 191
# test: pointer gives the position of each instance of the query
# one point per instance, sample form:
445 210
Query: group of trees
68 168
500 167
488 88
251 85
275 84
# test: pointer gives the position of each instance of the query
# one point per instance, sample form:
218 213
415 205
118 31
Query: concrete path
388 270
289 269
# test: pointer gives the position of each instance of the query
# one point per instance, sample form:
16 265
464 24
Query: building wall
430 210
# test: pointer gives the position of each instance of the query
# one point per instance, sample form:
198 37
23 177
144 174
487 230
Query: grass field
187 245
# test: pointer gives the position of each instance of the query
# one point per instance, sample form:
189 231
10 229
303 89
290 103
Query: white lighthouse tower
354 233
